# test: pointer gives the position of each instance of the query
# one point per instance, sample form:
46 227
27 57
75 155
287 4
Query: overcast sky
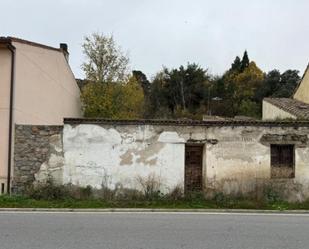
170 32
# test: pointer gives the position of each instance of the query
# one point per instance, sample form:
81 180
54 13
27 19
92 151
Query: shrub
80 193
126 194
175 194
48 191
271 196
220 199
105 193
150 187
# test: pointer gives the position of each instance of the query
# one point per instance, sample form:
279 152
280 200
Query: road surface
152 230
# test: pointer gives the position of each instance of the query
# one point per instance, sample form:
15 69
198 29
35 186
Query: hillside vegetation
110 90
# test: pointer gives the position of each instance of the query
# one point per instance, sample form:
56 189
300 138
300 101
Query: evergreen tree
245 61
142 80
278 85
287 84
269 85
236 65
180 91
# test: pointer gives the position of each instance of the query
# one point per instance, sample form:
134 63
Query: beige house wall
272 112
302 93
45 91
5 73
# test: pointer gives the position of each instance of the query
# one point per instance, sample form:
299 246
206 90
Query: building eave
11 39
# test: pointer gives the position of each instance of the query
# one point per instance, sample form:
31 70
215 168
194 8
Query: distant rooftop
297 108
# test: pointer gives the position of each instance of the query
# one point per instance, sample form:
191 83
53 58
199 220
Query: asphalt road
152 230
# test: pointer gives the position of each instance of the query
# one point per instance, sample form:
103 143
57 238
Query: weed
48 191
150 187
271 196
175 194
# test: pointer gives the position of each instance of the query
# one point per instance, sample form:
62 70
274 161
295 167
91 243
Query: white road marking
155 213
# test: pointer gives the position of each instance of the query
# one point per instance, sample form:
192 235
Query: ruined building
230 157
233 157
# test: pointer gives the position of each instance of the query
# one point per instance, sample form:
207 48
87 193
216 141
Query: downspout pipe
11 111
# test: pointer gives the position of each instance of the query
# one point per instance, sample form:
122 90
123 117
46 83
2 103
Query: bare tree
105 62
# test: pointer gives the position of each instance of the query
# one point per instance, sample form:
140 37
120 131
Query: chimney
64 48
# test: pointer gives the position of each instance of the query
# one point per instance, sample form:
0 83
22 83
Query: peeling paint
236 159
121 154
170 137
127 158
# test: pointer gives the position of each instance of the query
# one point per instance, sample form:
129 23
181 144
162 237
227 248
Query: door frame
203 148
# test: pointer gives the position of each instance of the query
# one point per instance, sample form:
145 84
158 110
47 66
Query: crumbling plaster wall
236 158
111 156
240 162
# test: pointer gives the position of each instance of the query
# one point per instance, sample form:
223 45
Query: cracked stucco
236 159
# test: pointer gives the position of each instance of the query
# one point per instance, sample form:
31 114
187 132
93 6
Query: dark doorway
282 161
193 168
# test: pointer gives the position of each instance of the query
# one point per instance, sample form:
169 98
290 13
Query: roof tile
295 107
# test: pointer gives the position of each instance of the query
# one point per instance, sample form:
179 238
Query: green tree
278 85
269 85
288 81
249 108
240 86
157 102
236 65
105 62
249 80
182 90
142 80
132 100
114 101
245 61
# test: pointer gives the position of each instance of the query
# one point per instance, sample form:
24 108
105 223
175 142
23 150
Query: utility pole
208 104
182 95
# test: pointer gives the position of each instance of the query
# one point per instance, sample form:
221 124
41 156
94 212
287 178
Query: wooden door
193 168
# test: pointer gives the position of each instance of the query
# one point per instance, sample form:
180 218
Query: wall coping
209 123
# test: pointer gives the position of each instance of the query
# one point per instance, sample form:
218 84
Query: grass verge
26 202
51 195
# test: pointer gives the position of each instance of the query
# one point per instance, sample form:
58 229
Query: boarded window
282 161
193 168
